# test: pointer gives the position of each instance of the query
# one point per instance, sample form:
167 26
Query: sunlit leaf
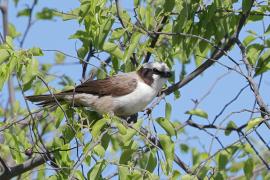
134 42
249 39
35 51
113 49
166 125
95 172
168 111
97 127
4 55
12 32
59 58
168 148
198 112
253 123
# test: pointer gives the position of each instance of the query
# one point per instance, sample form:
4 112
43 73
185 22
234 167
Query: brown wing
115 86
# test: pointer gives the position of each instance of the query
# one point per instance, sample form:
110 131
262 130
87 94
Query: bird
121 95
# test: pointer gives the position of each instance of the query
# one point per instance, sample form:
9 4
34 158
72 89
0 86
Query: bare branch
26 166
29 23
155 38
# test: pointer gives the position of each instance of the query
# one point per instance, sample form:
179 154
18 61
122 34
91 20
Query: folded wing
117 85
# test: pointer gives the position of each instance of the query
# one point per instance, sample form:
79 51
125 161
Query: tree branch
24 167
216 55
155 38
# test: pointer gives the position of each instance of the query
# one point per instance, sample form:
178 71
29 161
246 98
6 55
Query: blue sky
54 35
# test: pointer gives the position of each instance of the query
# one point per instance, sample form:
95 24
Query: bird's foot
131 119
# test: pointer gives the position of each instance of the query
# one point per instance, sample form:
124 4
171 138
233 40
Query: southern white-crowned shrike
121 95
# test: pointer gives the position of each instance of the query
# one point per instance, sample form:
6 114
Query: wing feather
117 85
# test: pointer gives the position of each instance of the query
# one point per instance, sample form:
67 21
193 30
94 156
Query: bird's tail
45 100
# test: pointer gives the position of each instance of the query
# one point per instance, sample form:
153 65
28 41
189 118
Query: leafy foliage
78 142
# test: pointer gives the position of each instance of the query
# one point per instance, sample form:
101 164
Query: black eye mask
162 74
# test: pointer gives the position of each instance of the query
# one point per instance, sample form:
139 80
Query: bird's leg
131 119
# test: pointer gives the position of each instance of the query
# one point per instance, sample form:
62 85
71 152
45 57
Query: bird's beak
167 74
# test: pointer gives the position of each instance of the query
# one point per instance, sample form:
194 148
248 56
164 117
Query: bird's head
155 73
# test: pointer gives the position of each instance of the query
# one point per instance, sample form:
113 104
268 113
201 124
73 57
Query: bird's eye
155 70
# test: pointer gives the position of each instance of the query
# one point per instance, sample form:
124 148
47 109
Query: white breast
135 101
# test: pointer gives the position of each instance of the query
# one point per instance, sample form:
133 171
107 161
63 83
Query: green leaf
3 74
135 175
113 49
198 112
45 14
117 33
188 177
166 125
12 31
184 148
168 111
148 161
59 58
263 63
222 161
123 172
14 142
256 17
95 172
126 156
136 3
70 15
35 51
219 176
169 5
9 42
105 140
267 31
68 133
176 175
134 41
168 148
246 5
148 17
248 168
253 52
4 55
28 85
231 125
131 132
24 12
97 127
249 39
151 163
122 129
81 53
16 2
99 150
31 70
253 122
59 115
104 31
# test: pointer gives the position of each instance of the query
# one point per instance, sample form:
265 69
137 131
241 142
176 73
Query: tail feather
45 100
